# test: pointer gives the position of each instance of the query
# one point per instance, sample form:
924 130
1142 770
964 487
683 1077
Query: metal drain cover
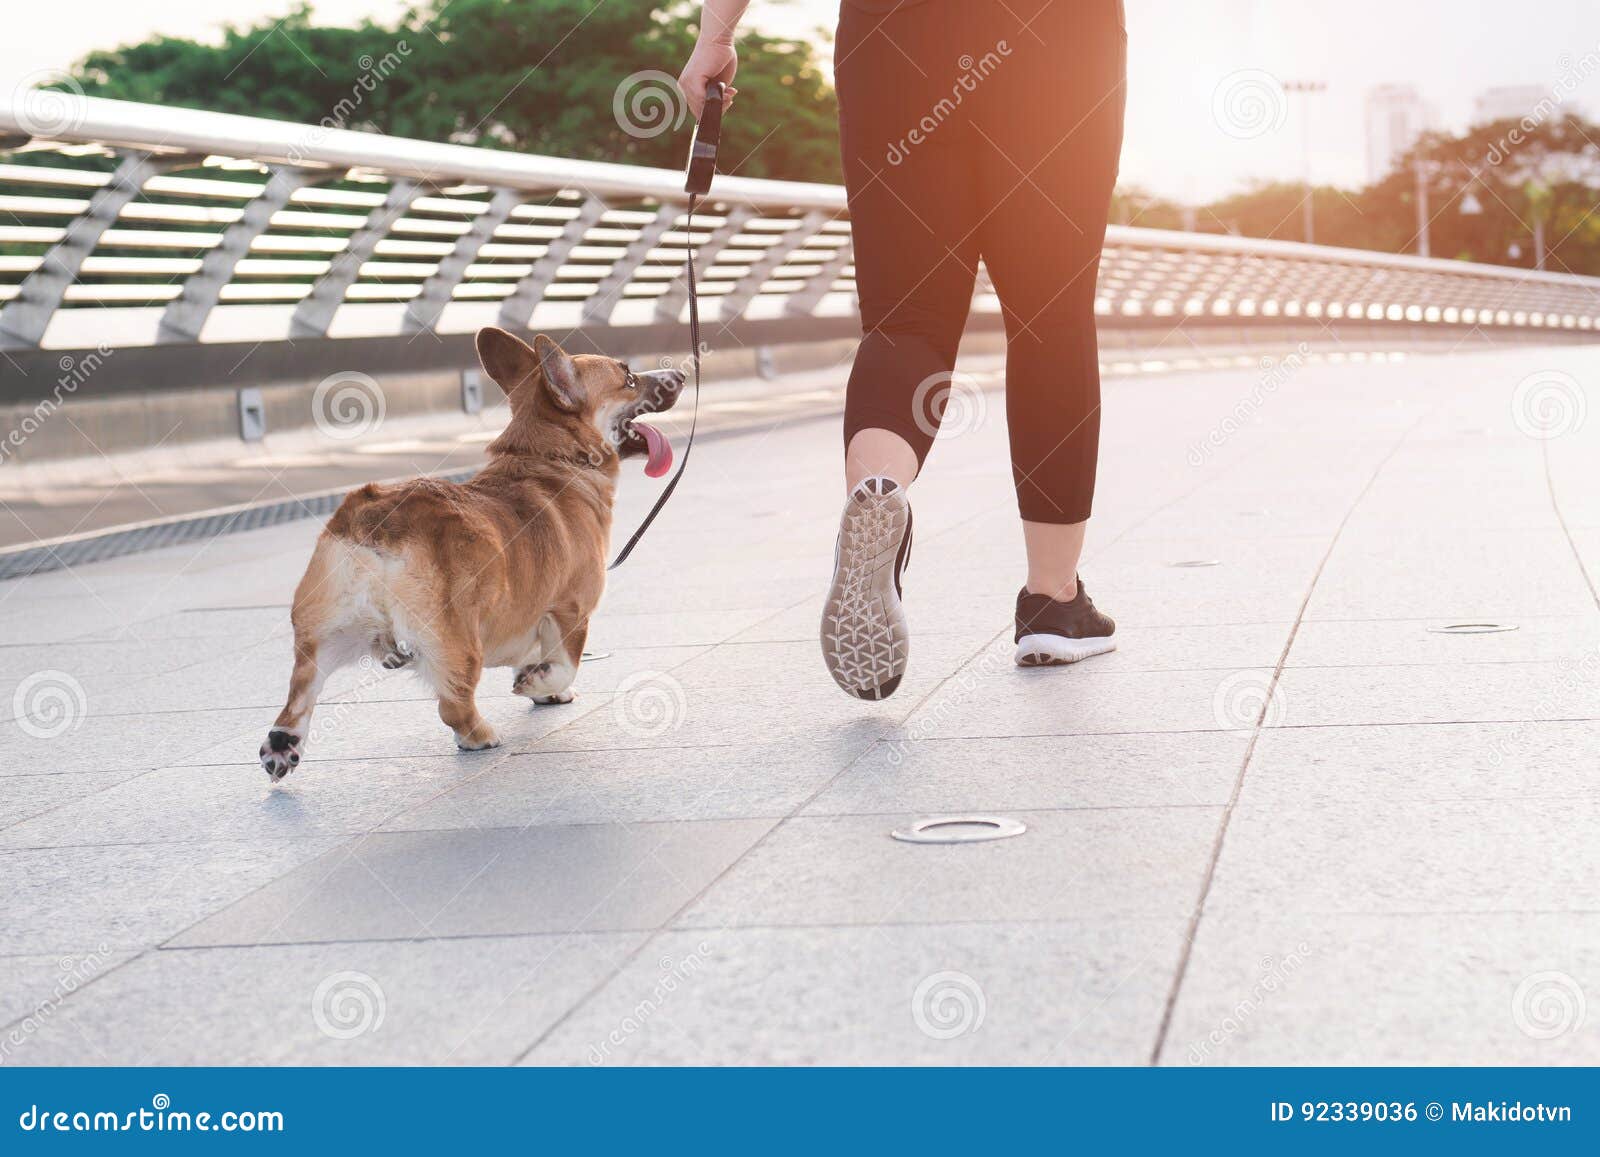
1475 629
1193 562
960 830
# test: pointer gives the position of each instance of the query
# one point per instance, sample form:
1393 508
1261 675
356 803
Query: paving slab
453 1002
1389 856
638 785
1085 992
77 900
1145 862
172 804
1043 773
1570 639
501 881
1422 762
1001 700
1437 693
1303 988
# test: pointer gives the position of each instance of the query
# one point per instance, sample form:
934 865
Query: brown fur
503 570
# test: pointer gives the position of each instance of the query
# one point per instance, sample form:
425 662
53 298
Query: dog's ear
560 375
506 358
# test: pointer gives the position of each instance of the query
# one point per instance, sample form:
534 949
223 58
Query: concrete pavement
1288 821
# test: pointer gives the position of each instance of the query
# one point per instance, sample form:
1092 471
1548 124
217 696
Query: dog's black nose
665 384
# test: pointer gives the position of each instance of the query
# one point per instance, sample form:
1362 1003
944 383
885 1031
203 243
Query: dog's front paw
280 754
566 696
480 742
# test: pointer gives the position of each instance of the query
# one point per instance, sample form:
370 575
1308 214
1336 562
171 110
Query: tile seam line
653 821
1187 953
1561 519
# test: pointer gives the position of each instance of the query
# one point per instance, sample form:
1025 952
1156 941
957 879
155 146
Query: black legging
975 128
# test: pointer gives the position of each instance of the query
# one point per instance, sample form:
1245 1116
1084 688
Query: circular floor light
959 830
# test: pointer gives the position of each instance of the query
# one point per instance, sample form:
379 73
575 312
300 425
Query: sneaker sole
865 640
1058 651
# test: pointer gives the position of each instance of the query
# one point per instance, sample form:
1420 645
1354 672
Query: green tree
575 78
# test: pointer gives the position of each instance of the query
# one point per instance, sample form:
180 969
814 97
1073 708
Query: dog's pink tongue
660 450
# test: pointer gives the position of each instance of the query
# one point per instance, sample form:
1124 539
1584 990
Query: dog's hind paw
395 654
529 678
280 754
544 683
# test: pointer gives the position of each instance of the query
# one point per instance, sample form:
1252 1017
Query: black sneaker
1051 633
865 641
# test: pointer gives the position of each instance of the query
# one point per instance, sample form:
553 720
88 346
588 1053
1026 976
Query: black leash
702 167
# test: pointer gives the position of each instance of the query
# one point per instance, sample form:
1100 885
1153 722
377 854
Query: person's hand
711 60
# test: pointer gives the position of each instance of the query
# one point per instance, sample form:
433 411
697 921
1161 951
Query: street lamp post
1424 210
1307 89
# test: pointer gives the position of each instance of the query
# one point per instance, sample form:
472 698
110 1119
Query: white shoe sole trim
1055 650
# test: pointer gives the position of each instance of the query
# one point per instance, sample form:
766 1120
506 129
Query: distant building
1396 117
1514 102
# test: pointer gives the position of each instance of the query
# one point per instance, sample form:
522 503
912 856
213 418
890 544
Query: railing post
422 311
23 322
805 302
734 304
670 304
315 312
601 304
185 315
517 310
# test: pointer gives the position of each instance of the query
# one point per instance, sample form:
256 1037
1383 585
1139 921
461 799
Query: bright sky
1181 52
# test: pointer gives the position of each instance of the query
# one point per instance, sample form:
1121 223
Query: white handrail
76 119
535 240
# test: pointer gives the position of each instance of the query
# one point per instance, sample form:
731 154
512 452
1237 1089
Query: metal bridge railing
134 224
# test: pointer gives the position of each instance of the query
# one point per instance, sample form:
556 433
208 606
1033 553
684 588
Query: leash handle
703 150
